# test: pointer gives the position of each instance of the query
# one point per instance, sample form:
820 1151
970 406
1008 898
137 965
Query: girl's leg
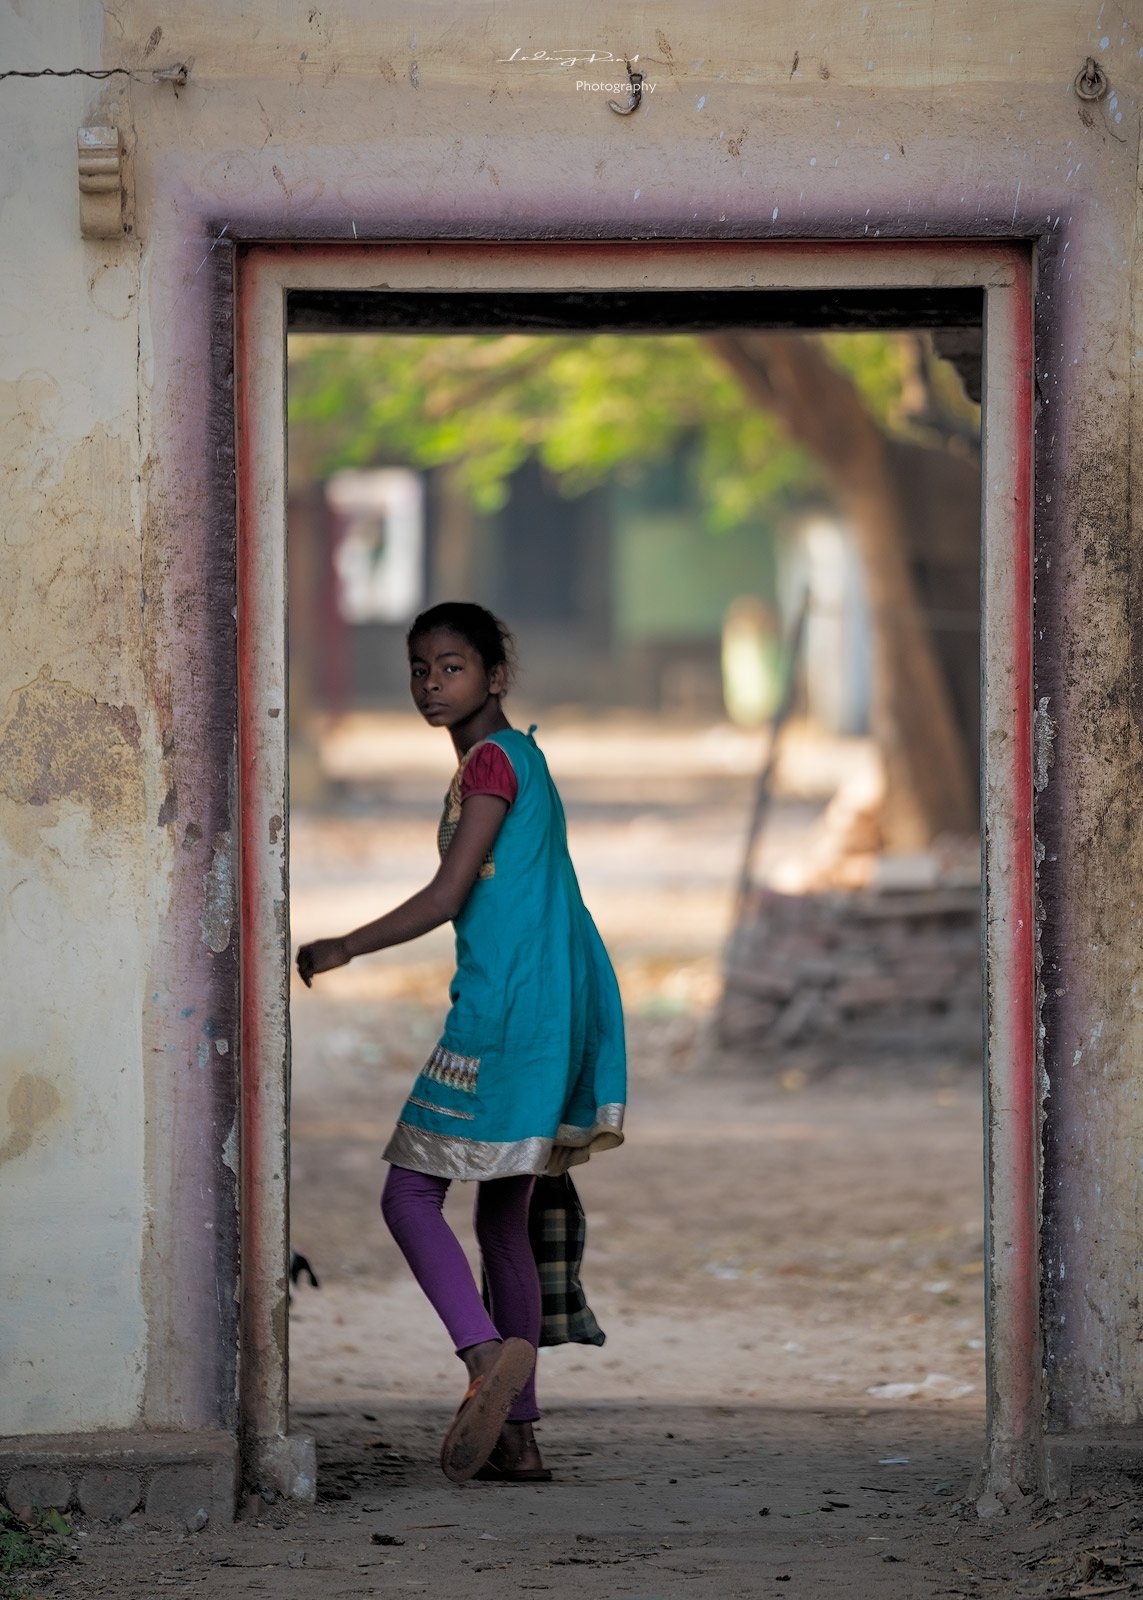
412 1205
501 1220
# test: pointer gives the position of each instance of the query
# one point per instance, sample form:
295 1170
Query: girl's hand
321 956
440 901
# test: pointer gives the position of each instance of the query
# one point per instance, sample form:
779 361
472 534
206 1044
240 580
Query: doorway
760 287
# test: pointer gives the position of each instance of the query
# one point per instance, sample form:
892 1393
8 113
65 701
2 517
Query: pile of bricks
855 975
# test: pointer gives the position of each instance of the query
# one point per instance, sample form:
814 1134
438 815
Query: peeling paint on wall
218 906
57 743
69 523
230 1152
1043 737
32 1101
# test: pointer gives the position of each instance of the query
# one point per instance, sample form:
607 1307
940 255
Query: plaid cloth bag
557 1230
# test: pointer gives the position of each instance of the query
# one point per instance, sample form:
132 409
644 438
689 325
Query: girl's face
448 678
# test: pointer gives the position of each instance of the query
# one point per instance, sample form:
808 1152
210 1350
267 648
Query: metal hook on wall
1091 80
636 81
1092 84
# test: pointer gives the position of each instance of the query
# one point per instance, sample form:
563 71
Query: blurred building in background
620 597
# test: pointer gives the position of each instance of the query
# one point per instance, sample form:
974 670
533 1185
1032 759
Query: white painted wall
76 884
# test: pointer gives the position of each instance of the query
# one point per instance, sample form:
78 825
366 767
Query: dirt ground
788 1268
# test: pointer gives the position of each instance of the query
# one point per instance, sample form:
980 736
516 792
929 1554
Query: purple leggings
412 1204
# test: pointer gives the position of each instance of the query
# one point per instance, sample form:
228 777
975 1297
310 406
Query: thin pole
765 783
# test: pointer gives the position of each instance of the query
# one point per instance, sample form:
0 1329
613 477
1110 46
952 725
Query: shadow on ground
651 1502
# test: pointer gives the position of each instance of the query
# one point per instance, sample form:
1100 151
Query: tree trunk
454 550
890 499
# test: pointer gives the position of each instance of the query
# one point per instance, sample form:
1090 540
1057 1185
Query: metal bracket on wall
636 81
100 183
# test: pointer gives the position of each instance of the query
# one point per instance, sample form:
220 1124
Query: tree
882 485
770 419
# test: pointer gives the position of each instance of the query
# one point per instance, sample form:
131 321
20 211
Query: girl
529 1074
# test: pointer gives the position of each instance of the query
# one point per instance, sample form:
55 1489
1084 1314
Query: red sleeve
488 771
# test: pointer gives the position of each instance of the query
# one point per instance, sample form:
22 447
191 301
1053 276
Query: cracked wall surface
79 884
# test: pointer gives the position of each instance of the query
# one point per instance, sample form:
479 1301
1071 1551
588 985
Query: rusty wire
177 74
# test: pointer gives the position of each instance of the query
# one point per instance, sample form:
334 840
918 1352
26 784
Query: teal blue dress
529 1075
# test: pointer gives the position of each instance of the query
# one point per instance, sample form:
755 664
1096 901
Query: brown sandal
475 1429
494 1471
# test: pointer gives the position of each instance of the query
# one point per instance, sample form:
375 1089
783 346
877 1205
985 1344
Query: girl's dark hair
477 627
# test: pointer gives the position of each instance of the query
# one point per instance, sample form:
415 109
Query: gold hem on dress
452 1156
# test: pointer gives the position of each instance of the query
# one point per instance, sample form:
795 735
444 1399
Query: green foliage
886 368
592 408
25 1546
877 363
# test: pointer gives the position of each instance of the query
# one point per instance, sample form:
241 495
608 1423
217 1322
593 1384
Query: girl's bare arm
480 819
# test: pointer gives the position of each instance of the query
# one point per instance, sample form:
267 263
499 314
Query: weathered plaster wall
844 119
78 878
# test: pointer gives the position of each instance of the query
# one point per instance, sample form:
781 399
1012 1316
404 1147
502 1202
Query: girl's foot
516 1457
517 1447
481 1358
498 1373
